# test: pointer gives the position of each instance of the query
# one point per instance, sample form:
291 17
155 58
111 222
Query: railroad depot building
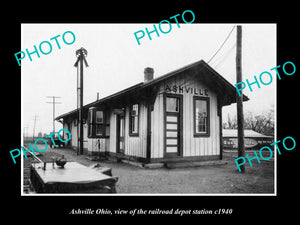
174 117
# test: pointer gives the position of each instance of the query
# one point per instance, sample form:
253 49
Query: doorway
120 134
173 125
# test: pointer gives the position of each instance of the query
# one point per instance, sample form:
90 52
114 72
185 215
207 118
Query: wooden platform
73 178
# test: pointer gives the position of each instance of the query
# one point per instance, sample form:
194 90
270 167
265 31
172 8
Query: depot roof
198 70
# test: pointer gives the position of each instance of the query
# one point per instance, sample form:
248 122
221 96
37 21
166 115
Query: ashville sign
186 89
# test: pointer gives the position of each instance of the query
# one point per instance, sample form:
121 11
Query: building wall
89 144
157 128
134 145
113 130
192 146
73 130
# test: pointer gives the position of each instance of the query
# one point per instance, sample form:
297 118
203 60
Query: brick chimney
148 74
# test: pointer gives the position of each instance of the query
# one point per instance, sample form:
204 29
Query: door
120 134
173 125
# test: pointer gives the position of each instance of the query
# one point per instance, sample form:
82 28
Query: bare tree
261 123
231 122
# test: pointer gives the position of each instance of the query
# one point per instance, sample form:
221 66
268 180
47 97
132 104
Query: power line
214 54
222 44
225 56
188 80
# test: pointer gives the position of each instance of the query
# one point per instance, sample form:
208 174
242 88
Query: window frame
177 104
131 133
92 123
90 127
101 124
207 100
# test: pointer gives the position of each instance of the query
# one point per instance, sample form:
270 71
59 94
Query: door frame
180 126
118 131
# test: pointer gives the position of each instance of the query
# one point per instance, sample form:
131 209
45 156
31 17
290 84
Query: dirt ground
209 179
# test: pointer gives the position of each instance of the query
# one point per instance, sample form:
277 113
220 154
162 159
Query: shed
252 139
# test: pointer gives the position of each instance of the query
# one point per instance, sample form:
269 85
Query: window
90 122
172 104
201 116
134 120
96 123
100 129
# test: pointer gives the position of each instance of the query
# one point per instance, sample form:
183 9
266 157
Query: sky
116 62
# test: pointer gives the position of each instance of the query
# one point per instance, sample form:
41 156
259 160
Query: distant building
252 139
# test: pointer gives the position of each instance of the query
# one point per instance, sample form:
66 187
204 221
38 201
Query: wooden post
239 99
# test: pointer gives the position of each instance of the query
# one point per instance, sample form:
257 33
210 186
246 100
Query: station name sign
188 90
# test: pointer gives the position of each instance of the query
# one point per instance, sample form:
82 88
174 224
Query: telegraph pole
53 103
35 117
239 99
80 54
25 134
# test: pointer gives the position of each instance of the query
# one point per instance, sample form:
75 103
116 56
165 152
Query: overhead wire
226 54
222 44
227 37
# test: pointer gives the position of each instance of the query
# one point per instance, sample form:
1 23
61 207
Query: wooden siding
157 128
192 146
88 143
136 145
73 130
113 131
91 145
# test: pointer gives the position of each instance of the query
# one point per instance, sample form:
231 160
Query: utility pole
35 117
80 54
25 134
53 103
239 99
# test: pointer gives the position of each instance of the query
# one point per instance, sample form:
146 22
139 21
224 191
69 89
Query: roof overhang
226 92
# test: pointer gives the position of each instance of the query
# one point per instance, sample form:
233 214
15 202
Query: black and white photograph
149 109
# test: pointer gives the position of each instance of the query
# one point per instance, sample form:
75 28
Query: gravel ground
198 180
